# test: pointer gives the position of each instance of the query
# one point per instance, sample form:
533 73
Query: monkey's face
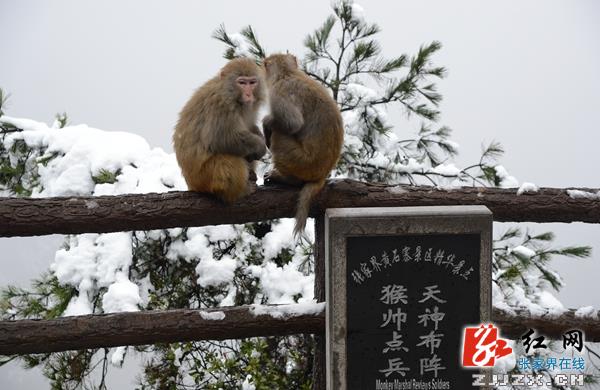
247 87
241 80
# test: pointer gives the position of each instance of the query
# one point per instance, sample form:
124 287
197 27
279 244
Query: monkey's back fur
311 152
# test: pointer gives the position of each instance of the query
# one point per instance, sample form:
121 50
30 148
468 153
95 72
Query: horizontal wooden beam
516 324
69 215
150 327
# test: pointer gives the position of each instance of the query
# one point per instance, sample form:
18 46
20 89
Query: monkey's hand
259 150
243 143
255 130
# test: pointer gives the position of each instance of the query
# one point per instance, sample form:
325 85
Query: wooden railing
72 215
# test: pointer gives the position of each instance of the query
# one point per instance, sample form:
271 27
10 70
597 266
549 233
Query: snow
452 144
500 304
548 301
213 272
95 260
116 359
287 311
586 312
506 180
242 47
229 299
246 385
360 93
279 238
83 152
123 295
79 305
523 251
508 362
410 166
578 194
178 354
533 296
212 315
196 246
283 284
498 297
23 123
527 187
220 232
445 169
358 12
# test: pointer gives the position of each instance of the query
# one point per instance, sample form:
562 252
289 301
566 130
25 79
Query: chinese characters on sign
395 295
408 301
447 261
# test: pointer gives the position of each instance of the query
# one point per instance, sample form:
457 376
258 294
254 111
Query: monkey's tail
307 193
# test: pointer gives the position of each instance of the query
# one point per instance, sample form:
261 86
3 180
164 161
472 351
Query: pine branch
3 99
220 34
4 130
255 47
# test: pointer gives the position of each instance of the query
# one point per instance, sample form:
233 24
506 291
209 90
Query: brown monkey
304 131
216 138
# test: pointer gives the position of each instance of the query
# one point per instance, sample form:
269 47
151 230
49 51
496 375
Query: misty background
525 74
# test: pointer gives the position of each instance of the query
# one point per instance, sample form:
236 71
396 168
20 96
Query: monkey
304 131
216 139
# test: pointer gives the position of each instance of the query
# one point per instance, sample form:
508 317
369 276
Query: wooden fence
72 215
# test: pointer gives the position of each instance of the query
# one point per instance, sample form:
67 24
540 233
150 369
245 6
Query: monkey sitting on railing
216 138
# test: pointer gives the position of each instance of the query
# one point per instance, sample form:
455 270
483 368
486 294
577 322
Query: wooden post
319 375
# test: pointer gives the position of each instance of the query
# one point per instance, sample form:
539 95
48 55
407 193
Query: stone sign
402 283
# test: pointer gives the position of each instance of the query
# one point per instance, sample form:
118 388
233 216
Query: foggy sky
522 73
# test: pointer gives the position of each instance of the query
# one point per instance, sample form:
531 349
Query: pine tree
174 265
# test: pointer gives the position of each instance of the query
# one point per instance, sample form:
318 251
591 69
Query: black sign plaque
402 284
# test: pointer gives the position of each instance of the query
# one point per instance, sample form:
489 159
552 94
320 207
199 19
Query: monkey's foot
274 177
